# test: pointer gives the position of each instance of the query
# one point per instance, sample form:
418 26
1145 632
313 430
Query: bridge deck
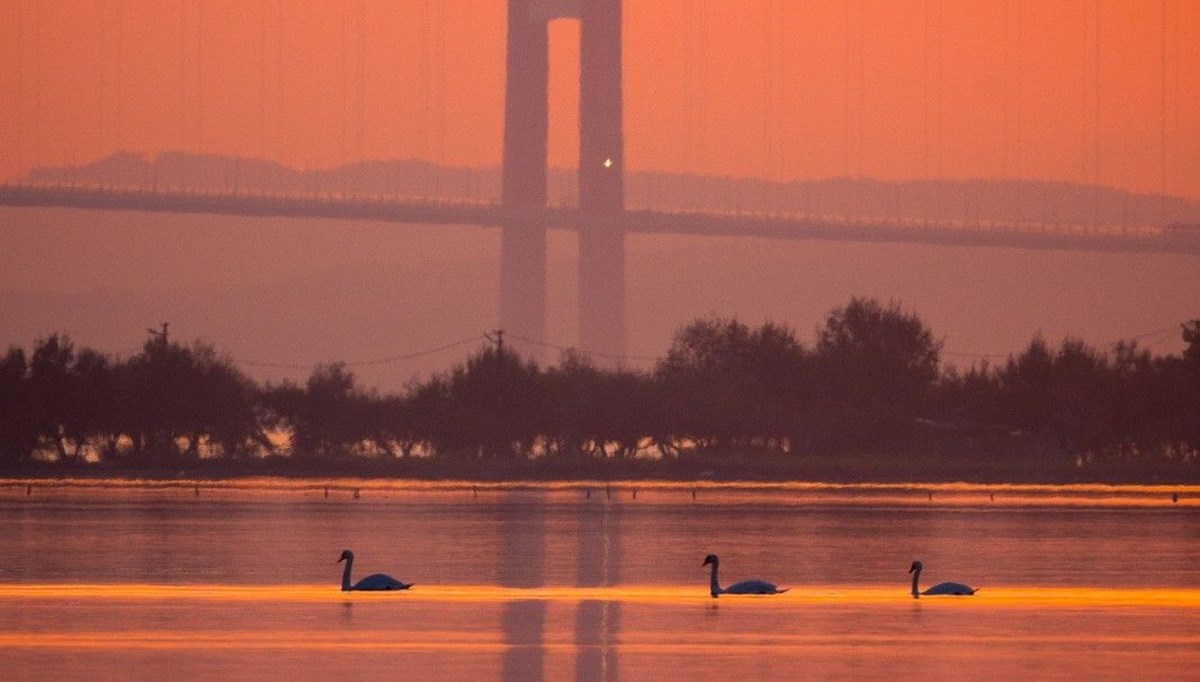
390 209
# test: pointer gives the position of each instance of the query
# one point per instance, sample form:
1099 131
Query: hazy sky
892 89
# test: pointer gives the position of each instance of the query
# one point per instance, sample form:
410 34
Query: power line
19 101
183 84
689 88
361 363
100 77
37 62
1004 100
846 88
440 39
360 100
1096 123
862 82
1162 41
964 354
262 78
345 80
278 84
199 77
925 89
941 58
1154 332
1175 92
590 353
1144 335
119 79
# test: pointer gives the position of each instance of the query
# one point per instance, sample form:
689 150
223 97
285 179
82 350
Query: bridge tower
601 172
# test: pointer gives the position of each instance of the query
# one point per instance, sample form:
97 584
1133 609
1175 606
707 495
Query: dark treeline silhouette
867 397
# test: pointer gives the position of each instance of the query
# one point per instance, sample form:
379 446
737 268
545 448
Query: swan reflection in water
375 581
954 589
743 587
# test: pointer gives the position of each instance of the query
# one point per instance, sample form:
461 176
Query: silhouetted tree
428 407
493 402
731 385
18 433
571 398
229 409
189 401
874 371
327 417
1189 385
629 414
53 400
1079 394
90 420
1191 339
1027 382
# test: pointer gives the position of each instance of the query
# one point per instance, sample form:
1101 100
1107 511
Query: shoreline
853 471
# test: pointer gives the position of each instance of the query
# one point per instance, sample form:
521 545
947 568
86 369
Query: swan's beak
340 560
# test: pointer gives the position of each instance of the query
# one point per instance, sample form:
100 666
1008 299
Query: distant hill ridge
994 200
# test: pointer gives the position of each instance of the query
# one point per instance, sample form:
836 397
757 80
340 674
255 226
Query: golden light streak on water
451 642
1021 597
302 640
957 494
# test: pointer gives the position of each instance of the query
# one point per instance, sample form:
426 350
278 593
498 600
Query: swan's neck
713 585
346 576
916 574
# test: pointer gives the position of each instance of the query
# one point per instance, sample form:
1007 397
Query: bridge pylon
523 175
601 173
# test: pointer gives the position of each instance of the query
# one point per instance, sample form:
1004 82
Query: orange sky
891 89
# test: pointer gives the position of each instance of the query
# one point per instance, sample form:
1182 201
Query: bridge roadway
390 209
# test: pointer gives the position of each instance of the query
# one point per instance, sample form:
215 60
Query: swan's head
710 559
347 555
917 566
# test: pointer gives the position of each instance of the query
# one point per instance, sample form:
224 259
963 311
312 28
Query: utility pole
498 340
161 336
496 336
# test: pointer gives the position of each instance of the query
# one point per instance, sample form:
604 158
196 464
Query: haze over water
141 580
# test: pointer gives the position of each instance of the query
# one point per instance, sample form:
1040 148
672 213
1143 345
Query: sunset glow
890 90
599 340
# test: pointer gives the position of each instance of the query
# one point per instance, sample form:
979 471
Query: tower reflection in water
597 621
522 564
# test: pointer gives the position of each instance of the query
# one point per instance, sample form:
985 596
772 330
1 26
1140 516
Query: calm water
151 581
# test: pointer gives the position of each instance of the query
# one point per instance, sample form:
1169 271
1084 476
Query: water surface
146 580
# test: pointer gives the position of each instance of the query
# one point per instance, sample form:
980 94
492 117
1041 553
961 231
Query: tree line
870 384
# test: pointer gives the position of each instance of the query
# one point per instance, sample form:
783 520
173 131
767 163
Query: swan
375 581
956 589
744 587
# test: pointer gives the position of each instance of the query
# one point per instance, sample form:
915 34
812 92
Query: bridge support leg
601 181
523 178
523 285
602 288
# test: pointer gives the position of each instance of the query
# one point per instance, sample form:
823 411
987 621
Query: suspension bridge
600 215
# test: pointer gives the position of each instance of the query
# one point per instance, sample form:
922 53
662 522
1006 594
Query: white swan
375 581
744 587
956 589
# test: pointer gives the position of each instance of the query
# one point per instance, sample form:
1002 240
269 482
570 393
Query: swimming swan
957 589
375 581
744 587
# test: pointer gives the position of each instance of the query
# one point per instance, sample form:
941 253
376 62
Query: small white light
608 163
